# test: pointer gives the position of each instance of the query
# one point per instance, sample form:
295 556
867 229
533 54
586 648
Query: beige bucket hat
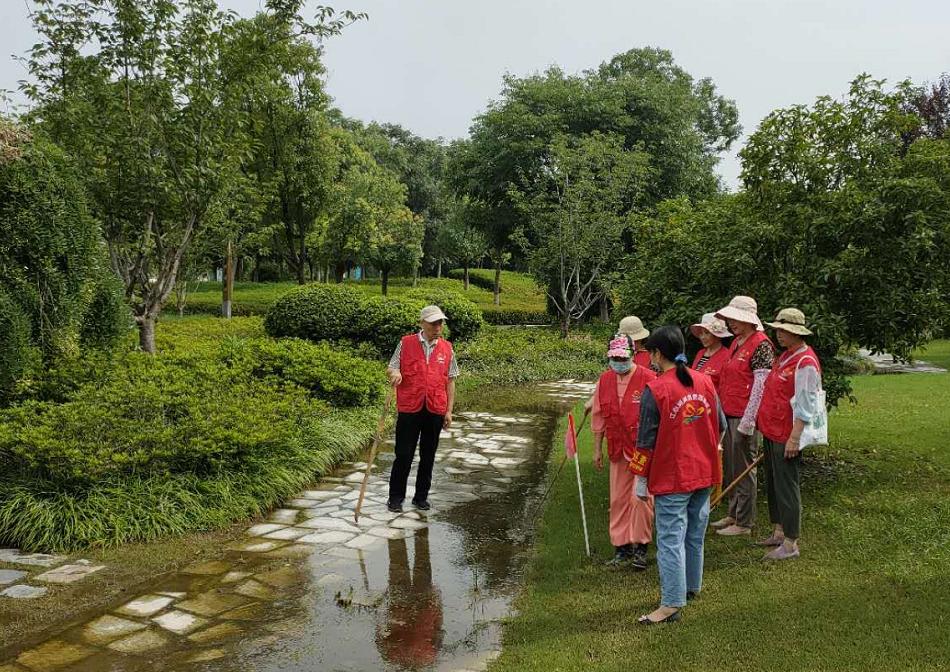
632 326
713 325
742 309
432 314
791 320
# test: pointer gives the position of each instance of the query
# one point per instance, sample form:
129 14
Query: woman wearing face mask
676 461
616 414
711 331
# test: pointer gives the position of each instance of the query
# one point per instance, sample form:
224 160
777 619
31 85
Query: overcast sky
432 65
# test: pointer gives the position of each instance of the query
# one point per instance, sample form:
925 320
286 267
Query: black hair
669 342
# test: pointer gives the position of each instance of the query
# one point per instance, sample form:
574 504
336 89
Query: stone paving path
38 568
309 588
885 363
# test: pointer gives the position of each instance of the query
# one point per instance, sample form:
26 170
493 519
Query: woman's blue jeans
681 520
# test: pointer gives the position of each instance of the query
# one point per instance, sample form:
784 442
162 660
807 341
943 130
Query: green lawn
869 593
936 352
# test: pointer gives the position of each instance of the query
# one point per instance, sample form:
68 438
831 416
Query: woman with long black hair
676 461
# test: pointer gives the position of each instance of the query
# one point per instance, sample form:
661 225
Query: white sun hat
742 309
713 325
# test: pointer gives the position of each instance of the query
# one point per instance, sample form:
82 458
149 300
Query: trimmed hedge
510 316
15 348
342 312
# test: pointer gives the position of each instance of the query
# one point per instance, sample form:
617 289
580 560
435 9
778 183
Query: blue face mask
620 367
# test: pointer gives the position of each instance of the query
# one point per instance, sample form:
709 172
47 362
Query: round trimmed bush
385 320
464 316
316 313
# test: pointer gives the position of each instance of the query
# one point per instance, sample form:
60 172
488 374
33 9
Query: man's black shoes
394 507
422 506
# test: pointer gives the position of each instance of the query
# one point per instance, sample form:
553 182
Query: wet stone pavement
310 589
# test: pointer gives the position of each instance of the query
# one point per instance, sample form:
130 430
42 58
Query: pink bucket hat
619 347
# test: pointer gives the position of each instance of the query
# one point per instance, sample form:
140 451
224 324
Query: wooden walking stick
745 473
372 452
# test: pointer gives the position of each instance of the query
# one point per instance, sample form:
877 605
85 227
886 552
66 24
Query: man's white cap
432 314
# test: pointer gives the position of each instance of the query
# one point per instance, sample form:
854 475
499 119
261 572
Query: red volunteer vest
642 359
423 383
735 379
687 443
775 413
622 420
713 366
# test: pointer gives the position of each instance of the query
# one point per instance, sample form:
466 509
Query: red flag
570 437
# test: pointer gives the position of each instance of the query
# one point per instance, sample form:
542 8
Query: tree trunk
604 310
227 287
465 276
302 273
338 272
147 333
438 269
497 289
565 325
385 282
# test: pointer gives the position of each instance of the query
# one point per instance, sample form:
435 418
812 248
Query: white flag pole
580 490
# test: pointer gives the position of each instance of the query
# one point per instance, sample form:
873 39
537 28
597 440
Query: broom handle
372 453
745 473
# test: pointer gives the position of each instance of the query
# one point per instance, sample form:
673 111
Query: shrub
15 349
316 312
106 318
511 316
383 321
464 317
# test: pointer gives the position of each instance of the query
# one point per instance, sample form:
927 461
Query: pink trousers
631 520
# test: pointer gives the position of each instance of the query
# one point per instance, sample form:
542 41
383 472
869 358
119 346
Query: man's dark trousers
421 428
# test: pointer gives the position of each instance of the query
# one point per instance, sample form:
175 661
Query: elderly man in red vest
423 371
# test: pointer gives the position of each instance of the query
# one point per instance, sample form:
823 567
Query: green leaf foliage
15 346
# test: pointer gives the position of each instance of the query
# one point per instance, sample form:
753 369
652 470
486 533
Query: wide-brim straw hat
713 325
632 326
791 320
742 309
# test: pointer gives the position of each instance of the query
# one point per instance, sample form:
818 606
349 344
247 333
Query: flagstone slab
329 523
384 516
301 503
206 656
387 532
68 573
252 588
210 568
318 495
328 537
108 628
141 642
345 553
54 655
263 528
364 541
407 524
179 622
232 577
15 557
24 592
173 595
8 576
215 633
330 579
249 612
255 546
292 551
144 606
288 534
212 603
282 578
284 516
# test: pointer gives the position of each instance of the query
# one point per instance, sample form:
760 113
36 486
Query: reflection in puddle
309 589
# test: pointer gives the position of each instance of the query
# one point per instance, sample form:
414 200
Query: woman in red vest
789 402
616 415
741 382
676 461
632 327
711 331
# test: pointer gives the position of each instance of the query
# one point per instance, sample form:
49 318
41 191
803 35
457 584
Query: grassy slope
251 298
869 592
937 352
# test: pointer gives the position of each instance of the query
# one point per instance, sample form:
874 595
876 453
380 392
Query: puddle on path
310 590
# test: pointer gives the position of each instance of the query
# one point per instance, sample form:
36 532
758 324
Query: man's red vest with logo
775 413
685 457
423 383
622 419
713 365
735 379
